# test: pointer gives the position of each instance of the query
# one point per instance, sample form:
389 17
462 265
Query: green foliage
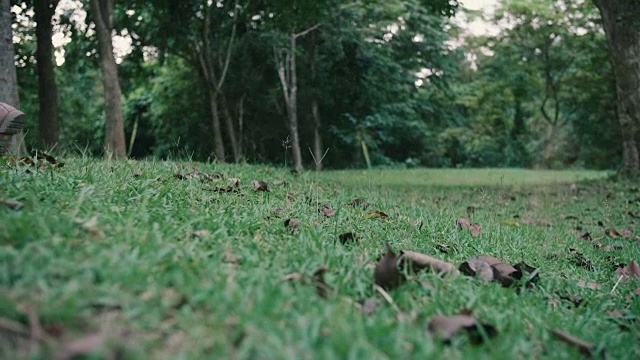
540 93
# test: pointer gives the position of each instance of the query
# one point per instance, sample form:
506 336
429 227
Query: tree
47 90
8 80
621 22
102 11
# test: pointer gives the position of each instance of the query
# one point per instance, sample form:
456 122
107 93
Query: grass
166 268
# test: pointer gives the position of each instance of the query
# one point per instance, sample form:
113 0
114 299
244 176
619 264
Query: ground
166 260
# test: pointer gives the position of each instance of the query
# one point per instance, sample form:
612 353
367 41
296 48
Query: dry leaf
445 327
11 204
328 211
475 229
463 223
377 215
202 234
629 272
292 224
479 266
416 261
235 182
612 233
588 284
627 233
386 273
91 226
259 185
505 274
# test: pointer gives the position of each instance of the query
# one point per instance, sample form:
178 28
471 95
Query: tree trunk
621 21
231 129
215 123
8 79
47 90
317 137
292 107
114 135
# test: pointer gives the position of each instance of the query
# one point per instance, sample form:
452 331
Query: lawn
167 260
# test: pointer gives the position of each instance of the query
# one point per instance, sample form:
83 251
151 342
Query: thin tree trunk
241 128
47 90
293 108
621 21
315 113
289 80
114 135
231 131
215 123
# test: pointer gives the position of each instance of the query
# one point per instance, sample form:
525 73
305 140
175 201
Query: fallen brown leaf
235 182
629 272
475 229
589 285
328 211
386 273
479 266
445 327
11 204
292 224
462 223
377 215
416 261
505 274
92 227
612 233
627 233
259 185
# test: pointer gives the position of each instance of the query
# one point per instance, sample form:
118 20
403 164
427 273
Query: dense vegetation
378 82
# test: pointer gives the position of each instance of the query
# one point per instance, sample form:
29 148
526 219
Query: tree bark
231 129
621 21
47 90
315 112
8 79
114 135
292 107
215 124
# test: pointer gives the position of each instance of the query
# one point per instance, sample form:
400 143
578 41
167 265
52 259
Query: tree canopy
362 83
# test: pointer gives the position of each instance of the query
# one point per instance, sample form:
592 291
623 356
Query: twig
616 285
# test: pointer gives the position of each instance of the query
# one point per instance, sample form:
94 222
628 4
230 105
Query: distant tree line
333 84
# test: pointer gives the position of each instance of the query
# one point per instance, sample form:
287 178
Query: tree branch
228 57
305 32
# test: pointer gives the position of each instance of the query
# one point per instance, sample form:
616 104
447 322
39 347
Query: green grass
159 287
